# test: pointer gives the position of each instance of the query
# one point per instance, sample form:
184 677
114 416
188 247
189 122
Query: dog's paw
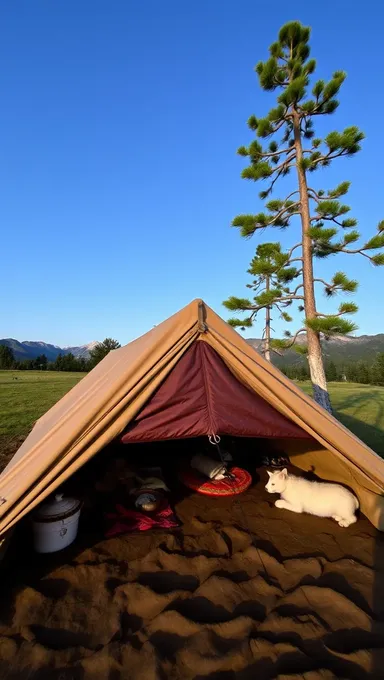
279 503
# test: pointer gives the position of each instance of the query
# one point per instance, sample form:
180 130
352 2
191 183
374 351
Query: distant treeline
67 362
364 372
64 362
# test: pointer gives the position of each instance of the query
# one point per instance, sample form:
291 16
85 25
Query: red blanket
239 482
125 520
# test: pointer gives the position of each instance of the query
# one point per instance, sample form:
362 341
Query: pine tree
82 365
7 358
331 372
363 373
302 373
325 229
351 372
41 362
377 370
69 363
270 282
101 350
58 363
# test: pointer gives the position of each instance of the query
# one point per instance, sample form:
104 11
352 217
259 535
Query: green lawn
361 409
26 395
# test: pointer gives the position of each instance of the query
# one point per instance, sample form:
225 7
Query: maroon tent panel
200 397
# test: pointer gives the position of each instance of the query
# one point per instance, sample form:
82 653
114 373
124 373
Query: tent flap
201 397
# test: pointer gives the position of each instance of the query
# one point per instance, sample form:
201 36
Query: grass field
360 408
26 395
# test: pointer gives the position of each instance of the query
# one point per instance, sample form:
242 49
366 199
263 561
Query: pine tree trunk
267 343
315 356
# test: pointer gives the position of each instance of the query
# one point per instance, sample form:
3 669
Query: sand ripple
209 605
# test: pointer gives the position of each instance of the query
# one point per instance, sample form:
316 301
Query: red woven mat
225 487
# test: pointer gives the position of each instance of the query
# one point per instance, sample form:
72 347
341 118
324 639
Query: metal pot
55 524
208 467
148 501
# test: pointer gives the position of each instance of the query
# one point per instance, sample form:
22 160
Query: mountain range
29 349
340 349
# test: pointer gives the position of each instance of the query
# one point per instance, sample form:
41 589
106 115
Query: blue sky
119 176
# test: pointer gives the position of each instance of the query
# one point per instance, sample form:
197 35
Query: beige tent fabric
107 399
93 413
339 456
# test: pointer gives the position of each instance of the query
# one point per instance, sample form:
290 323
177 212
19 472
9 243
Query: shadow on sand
211 601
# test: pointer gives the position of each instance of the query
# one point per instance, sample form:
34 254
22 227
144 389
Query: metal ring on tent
215 440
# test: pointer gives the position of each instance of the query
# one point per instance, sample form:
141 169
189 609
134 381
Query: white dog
316 498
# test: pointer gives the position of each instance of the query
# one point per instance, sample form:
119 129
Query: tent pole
202 316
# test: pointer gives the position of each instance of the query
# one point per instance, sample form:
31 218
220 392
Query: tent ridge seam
208 390
202 315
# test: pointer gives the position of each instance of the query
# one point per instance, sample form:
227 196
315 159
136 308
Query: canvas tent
191 375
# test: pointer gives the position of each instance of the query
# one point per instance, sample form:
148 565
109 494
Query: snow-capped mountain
81 352
29 349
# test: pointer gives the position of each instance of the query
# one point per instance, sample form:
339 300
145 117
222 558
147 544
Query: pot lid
57 508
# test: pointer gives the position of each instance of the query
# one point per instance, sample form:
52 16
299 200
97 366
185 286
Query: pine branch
286 210
314 195
286 317
325 284
338 314
290 298
263 154
236 304
291 194
285 344
292 250
331 325
376 260
330 156
242 323
317 218
277 127
283 170
251 223
298 288
285 164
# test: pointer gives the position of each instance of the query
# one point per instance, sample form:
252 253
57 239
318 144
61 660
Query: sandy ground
303 599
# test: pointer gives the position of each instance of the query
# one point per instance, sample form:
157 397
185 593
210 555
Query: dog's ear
284 473
269 473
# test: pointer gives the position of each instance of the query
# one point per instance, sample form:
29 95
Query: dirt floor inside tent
304 599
